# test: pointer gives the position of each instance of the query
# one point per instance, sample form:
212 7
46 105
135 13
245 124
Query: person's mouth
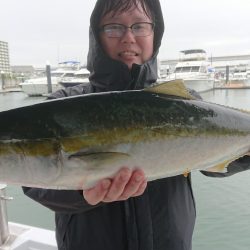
128 54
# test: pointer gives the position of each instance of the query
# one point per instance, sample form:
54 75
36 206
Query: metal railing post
48 74
4 228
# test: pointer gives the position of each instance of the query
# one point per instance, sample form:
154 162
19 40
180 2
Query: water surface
223 204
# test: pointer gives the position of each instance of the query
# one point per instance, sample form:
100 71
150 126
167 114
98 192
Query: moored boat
194 69
39 86
241 78
79 77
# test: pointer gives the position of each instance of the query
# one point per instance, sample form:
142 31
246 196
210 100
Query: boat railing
4 228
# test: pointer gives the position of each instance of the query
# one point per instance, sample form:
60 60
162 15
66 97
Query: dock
11 89
232 86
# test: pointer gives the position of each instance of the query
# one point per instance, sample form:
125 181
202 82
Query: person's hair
120 6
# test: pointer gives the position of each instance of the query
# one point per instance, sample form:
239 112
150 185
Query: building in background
7 80
22 72
4 58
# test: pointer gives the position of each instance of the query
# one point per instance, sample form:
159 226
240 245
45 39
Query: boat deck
23 237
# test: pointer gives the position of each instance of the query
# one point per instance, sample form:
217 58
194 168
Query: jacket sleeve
63 201
72 91
234 167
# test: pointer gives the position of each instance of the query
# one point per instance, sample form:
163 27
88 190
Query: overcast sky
56 30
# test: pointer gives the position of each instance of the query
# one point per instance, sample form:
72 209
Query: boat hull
199 85
39 87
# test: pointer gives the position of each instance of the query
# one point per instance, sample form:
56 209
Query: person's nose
128 36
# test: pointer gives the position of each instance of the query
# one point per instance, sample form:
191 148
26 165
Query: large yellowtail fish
73 142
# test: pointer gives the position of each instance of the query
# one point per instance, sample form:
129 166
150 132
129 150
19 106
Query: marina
51 81
194 67
203 73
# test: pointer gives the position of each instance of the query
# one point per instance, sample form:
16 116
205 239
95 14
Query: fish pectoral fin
220 168
101 157
173 88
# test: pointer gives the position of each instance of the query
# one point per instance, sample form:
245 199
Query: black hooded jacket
163 217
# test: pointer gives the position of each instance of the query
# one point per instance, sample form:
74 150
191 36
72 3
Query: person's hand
125 184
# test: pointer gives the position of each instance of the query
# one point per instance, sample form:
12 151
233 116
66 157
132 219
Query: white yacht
194 69
79 77
39 86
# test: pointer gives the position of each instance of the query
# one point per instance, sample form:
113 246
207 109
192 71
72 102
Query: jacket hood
107 74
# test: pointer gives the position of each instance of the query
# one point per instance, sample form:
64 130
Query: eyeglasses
118 30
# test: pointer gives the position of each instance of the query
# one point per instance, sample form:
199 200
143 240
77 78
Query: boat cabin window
195 69
182 69
68 74
186 69
177 70
56 74
82 75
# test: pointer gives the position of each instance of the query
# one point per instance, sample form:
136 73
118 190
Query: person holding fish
125 211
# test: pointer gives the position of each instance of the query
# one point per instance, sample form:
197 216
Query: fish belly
159 159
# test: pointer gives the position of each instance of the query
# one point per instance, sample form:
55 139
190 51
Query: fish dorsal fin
173 88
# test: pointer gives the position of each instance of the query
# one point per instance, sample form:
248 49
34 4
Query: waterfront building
22 72
4 57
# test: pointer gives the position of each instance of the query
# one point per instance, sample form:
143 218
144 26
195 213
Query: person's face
128 48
